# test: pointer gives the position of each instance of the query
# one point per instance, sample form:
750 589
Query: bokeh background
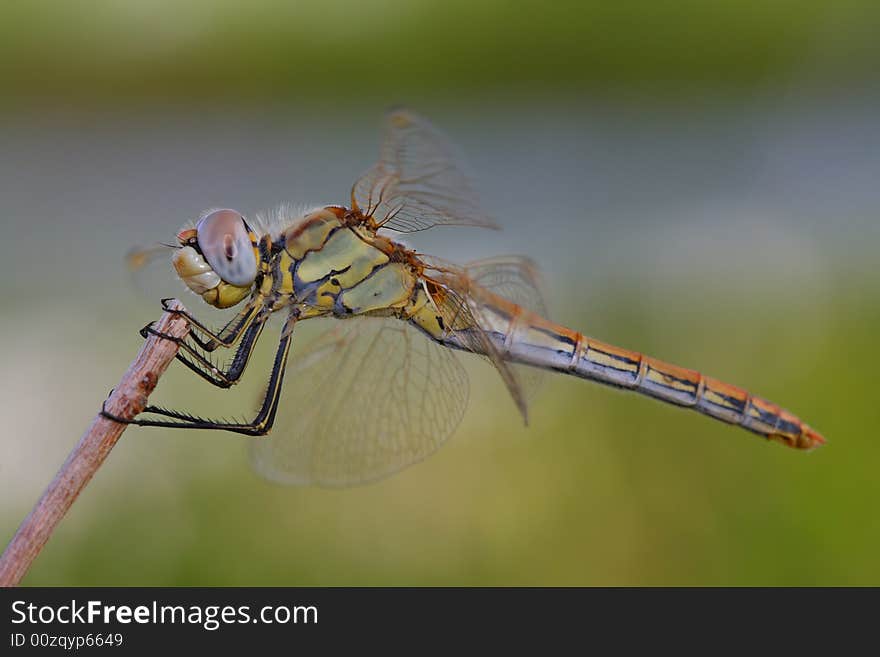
699 180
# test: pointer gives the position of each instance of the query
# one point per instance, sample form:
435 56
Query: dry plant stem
127 400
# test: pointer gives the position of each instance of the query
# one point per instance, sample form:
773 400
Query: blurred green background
698 180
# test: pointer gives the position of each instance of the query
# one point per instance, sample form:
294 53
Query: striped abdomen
592 359
530 339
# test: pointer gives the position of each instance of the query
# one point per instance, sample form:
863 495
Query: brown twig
127 400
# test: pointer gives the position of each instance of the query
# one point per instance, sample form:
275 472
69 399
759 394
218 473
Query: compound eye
223 240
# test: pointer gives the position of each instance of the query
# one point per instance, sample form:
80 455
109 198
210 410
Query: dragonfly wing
152 274
461 299
517 279
362 402
461 317
417 182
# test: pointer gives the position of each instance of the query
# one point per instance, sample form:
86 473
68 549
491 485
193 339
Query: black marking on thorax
295 262
271 266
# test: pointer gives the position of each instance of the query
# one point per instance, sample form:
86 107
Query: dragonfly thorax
331 265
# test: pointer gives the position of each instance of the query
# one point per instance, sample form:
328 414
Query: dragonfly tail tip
811 439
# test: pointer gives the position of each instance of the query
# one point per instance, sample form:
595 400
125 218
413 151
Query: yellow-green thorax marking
327 266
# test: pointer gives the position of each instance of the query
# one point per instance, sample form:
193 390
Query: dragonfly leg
259 426
225 337
202 365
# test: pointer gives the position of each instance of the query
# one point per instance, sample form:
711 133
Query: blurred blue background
698 180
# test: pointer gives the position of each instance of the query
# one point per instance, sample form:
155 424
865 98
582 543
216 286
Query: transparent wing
151 271
462 318
363 401
416 184
517 279
467 298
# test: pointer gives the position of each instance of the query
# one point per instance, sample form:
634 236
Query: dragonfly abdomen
533 340
593 359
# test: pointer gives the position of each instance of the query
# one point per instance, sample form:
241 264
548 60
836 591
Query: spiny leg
259 426
225 337
202 365
254 314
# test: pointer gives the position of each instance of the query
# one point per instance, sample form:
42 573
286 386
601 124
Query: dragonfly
383 387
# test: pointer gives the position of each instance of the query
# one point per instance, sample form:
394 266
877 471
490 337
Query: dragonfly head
218 258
